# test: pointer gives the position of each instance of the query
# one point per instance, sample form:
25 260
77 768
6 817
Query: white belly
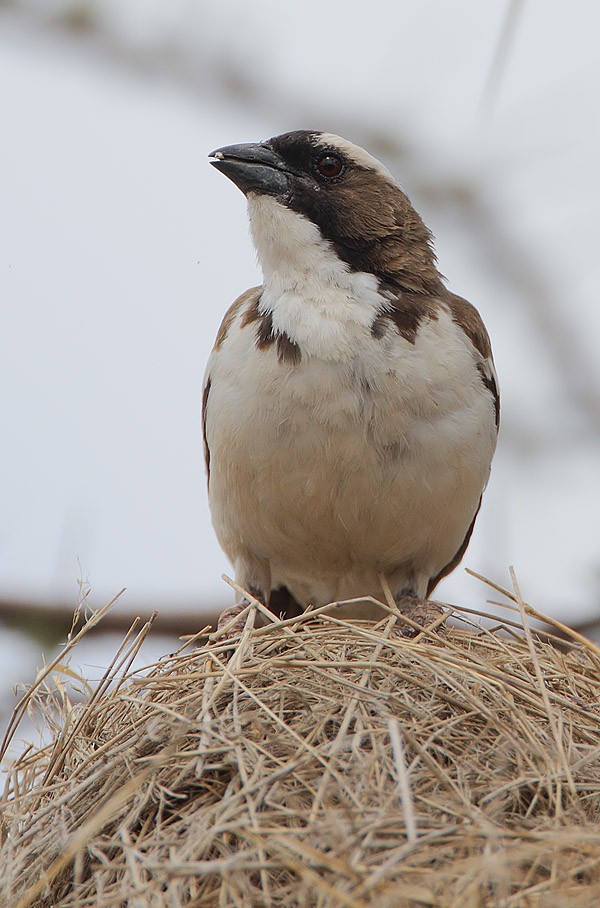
332 473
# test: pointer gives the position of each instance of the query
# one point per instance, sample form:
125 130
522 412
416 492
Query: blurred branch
51 622
499 63
554 320
525 276
590 627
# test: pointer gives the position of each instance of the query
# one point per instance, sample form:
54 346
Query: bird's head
316 199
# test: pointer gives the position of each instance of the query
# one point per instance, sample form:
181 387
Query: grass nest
325 763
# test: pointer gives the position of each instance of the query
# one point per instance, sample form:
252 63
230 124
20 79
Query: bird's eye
330 166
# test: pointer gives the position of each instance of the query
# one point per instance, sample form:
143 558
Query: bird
350 407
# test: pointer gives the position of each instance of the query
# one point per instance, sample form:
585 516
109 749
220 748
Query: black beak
253 168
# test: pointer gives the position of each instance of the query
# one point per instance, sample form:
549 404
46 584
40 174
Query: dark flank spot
264 331
457 558
409 310
490 384
287 350
379 326
204 438
406 312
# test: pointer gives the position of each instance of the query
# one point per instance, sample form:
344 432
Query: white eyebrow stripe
358 154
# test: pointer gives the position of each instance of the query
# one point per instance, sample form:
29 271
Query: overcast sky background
120 249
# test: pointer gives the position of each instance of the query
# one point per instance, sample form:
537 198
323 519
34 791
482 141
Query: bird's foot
231 622
424 613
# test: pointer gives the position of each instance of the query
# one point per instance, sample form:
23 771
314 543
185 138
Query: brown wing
468 318
205 394
457 558
249 297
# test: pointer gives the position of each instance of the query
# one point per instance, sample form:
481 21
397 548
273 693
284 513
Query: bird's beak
253 168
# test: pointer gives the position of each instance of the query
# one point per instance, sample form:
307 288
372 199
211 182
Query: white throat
312 295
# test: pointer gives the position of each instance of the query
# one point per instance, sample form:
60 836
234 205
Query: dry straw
325 763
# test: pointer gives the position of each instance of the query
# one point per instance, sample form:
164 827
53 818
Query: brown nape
374 228
282 603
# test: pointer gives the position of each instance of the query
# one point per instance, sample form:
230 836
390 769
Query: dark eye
330 166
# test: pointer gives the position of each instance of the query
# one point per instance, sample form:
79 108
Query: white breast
313 296
368 456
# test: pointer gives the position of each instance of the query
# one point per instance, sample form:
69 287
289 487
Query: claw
232 622
423 612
